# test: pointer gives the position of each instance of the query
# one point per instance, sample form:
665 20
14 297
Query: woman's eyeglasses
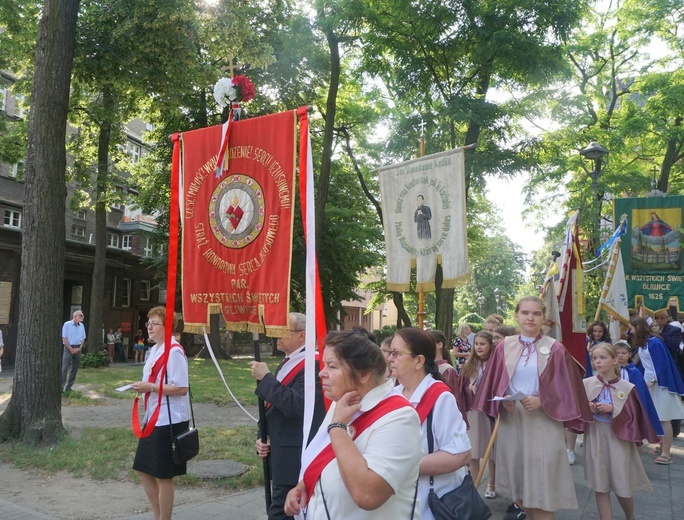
397 353
153 324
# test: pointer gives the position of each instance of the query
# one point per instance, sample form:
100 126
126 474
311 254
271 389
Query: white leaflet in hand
518 396
124 388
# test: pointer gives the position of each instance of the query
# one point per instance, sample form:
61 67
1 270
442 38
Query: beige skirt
611 464
531 461
480 433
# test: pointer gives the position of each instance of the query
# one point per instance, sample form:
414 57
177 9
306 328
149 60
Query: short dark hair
359 353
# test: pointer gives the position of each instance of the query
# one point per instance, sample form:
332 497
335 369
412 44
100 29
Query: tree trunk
672 155
34 412
96 312
444 306
328 134
403 319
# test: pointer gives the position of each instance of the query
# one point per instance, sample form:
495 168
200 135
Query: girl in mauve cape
611 458
546 383
479 424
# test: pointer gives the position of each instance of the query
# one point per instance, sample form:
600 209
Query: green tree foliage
622 97
442 59
127 51
18 28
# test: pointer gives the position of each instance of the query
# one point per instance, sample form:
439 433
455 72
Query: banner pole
421 293
263 430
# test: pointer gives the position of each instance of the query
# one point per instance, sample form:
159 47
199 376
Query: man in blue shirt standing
73 338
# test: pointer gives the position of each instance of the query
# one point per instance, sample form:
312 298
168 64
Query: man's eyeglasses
153 324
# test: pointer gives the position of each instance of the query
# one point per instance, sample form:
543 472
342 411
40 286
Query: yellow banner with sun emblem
237 225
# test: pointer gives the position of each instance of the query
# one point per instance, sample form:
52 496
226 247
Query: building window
126 293
19 105
112 240
135 151
78 231
145 289
80 214
17 170
121 292
119 198
126 242
149 247
13 218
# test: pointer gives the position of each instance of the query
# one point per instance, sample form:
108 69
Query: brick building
130 287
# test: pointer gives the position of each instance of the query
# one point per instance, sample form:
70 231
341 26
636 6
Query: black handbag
184 446
462 503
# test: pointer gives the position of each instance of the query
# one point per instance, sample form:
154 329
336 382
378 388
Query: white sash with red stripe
319 453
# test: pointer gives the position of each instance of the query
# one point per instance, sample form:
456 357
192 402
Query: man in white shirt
73 338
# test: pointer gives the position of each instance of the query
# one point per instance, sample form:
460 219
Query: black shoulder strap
431 442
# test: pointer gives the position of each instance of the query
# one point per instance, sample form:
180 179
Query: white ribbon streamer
213 358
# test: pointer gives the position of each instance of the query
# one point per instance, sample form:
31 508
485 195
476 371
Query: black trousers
278 496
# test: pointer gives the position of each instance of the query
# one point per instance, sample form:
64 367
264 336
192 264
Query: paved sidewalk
665 503
10 511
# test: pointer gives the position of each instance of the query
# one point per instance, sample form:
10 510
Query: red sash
363 421
292 374
159 366
429 399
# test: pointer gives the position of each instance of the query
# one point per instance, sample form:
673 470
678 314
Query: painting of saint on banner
655 239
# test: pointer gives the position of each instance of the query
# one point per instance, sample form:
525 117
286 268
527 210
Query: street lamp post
595 152
496 298
480 301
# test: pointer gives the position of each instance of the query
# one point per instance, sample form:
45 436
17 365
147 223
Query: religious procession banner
652 251
424 216
570 291
237 224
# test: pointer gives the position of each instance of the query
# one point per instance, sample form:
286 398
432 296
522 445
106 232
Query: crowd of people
405 422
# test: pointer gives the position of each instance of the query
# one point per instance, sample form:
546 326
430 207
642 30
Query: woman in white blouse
412 359
363 462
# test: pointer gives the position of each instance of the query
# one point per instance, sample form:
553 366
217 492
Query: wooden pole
488 453
421 293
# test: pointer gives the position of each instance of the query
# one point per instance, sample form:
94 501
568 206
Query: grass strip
107 454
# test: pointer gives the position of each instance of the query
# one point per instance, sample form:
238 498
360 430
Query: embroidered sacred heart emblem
235 213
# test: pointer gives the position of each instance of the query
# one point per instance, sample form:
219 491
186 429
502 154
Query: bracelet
337 425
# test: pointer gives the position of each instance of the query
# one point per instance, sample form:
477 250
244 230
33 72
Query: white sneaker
571 457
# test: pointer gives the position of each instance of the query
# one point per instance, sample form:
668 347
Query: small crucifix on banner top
232 67
422 126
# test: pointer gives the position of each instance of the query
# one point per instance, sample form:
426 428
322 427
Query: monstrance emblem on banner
236 211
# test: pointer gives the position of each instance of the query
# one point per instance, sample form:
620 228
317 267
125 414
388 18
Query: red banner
237 229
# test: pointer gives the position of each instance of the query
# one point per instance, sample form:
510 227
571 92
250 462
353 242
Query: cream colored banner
424 217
